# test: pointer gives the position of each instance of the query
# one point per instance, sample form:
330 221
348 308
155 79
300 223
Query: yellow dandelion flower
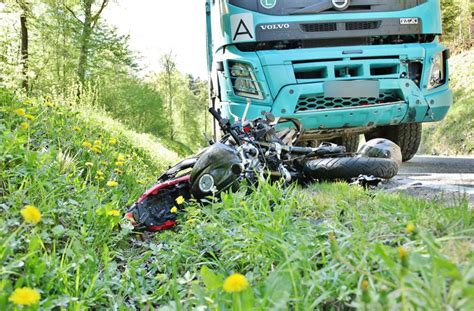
190 221
25 296
89 164
180 200
30 117
120 158
20 112
119 163
365 291
112 183
365 285
113 141
49 104
98 142
25 125
77 129
87 144
100 173
236 283
174 209
118 171
31 214
402 252
410 228
96 149
113 213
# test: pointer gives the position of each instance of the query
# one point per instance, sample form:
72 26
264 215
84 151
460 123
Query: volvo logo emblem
341 5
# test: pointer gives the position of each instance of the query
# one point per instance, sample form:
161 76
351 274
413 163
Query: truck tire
347 168
407 136
351 142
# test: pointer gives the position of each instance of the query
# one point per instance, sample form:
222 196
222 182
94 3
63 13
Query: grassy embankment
330 247
455 134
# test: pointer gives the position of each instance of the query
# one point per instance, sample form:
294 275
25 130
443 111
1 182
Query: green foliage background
457 23
112 76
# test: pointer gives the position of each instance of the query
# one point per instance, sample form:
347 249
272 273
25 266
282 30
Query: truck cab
343 68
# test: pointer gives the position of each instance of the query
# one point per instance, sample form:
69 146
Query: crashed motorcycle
265 148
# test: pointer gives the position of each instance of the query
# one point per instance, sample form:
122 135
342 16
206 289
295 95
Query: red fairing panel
154 190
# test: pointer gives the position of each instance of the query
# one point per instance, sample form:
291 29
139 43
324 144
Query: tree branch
73 14
96 16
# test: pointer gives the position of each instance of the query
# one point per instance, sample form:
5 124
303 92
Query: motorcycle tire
350 167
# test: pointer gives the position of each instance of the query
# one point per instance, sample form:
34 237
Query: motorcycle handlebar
225 125
216 115
320 151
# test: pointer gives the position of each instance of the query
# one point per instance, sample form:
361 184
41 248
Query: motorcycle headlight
438 71
244 81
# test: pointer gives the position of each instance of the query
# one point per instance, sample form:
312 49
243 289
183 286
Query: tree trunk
205 120
170 102
85 40
24 49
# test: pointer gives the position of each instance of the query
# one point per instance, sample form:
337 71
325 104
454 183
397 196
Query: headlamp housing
438 70
244 81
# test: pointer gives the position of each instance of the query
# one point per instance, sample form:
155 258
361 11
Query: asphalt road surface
441 178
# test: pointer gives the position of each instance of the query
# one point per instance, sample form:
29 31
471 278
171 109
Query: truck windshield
296 7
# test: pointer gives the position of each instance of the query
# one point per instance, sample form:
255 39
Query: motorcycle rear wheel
350 167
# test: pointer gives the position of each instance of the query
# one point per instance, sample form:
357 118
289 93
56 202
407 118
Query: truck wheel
351 142
407 136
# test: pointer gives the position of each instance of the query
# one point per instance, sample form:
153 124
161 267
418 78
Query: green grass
327 247
455 134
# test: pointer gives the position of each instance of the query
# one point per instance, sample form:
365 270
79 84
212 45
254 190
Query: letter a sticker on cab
242 27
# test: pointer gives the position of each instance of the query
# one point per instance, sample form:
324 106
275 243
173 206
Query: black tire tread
351 142
408 137
350 167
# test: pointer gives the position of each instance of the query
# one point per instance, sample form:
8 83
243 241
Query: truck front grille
319 27
364 25
308 103
350 26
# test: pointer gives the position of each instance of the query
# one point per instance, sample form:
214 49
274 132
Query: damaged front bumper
400 101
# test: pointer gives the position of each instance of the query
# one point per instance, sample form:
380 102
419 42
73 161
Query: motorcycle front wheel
350 167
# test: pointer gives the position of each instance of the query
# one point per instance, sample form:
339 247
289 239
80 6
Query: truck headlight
438 71
244 81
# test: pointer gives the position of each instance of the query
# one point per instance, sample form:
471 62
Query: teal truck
343 68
